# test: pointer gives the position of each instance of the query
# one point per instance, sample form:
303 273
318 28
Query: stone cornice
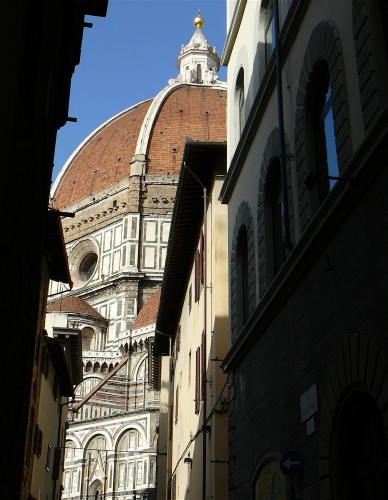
233 31
287 36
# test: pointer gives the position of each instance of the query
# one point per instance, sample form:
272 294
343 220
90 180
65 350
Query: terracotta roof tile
104 159
147 314
194 112
73 304
190 111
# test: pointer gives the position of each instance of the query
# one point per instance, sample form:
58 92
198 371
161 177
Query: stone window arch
370 32
89 339
269 32
268 480
324 48
131 439
360 451
240 100
352 411
270 230
321 147
243 220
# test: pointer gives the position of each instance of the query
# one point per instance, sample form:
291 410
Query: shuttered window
197 378
203 367
176 403
197 278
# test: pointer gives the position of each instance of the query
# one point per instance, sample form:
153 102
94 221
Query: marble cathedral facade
116 195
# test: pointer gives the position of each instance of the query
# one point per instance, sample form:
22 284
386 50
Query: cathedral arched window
199 74
87 266
130 440
88 339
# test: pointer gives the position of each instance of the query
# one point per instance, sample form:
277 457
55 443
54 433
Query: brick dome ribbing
182 111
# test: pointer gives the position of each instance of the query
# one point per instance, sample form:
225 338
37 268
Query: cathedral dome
102 159
149 137
154 131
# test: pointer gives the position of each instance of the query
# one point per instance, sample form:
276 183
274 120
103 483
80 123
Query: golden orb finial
199 21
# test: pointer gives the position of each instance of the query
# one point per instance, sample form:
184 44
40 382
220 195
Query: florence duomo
196 307
120 184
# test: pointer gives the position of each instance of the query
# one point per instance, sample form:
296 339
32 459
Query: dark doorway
360 451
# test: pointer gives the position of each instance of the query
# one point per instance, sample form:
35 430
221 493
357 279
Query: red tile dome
156 128
147 314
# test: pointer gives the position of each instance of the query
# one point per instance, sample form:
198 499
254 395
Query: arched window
71 452
321 96
269 32
269 482
199 74
130 440
240 100
88 339
87 266
323 155
242 278
360 451
242 270
274 219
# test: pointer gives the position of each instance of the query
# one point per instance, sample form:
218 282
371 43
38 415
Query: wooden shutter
203 366
57 462
201 258
197 276
197 379
178 339
176 403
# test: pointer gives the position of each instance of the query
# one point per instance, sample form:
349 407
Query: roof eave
186 222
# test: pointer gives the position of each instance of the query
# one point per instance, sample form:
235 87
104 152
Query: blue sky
128 57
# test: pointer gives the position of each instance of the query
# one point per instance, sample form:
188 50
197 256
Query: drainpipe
287 237
204 381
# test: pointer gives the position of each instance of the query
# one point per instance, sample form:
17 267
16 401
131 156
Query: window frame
274 218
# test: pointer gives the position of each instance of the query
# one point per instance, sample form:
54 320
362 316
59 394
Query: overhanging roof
62 368
56 251
204 160
71 340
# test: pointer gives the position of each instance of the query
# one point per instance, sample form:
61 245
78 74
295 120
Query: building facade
117 193
306 195
59 369
46 41
192 334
